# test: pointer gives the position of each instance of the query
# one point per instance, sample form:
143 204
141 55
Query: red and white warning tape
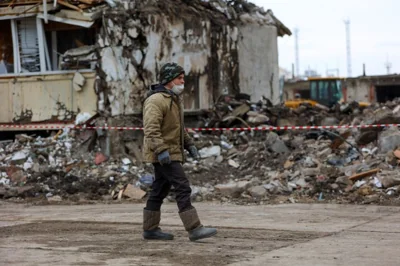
268 128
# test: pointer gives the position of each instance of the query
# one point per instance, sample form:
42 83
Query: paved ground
283 235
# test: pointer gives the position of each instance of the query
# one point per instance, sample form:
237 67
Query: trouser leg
151 213
176 177
160 189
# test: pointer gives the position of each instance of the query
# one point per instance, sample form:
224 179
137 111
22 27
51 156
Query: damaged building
62 58
370 89
373 88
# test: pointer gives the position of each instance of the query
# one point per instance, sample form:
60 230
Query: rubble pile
61 167
344 165
239 111
297 167
349 165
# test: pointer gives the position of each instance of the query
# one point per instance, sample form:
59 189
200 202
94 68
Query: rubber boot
192 224
151 229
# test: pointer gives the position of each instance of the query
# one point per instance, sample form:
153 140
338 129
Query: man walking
165 139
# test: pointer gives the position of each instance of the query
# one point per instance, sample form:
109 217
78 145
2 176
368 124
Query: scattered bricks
100 158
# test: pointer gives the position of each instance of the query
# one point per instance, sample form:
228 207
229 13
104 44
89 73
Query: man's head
172 75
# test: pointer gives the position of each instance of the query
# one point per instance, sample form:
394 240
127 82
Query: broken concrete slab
20 156
78 81
276 144
257 191
133 192
210 152
229 189
389 140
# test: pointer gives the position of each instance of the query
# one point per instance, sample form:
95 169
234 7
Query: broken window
30 46
6 48
70 46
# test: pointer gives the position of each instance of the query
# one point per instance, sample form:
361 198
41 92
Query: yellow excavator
327 91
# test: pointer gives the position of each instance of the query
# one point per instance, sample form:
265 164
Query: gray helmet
169 72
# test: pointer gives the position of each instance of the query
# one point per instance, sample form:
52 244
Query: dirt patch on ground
122 241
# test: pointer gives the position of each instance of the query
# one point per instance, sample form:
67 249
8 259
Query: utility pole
296 38
388 66
348 47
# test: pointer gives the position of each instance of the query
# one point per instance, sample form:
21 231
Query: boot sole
206 236
155 238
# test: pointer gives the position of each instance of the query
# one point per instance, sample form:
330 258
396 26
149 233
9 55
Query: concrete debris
389 140
133 192
20 156
54 199
82 118
78 81
230 189
233 164
257 191
389 179
261 166
81 51
239 111
210 152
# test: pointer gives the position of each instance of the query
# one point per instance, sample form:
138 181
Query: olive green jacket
163 126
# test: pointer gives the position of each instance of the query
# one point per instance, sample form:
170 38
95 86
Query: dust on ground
122 241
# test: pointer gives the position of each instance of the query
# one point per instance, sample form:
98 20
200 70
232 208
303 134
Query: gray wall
258 61
358 90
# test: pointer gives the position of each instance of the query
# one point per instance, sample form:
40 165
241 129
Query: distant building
372 88
310 73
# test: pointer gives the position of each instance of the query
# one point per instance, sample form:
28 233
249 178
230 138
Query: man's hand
193 152
164 158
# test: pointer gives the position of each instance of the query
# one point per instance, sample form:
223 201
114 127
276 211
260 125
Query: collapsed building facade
61 58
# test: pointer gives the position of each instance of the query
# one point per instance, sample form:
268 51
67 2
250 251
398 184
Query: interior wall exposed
387 93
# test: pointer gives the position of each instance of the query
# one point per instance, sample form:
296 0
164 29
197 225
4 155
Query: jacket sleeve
152 120
187 140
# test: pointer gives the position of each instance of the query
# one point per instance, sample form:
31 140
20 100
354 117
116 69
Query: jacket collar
159 88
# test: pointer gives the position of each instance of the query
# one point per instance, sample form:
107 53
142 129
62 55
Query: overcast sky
375 34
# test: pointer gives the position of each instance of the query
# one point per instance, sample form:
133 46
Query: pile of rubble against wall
293 166
239 111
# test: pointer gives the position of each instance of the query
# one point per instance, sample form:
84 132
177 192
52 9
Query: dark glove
164 158
193 152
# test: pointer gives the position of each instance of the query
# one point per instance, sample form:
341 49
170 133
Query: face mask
178 89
